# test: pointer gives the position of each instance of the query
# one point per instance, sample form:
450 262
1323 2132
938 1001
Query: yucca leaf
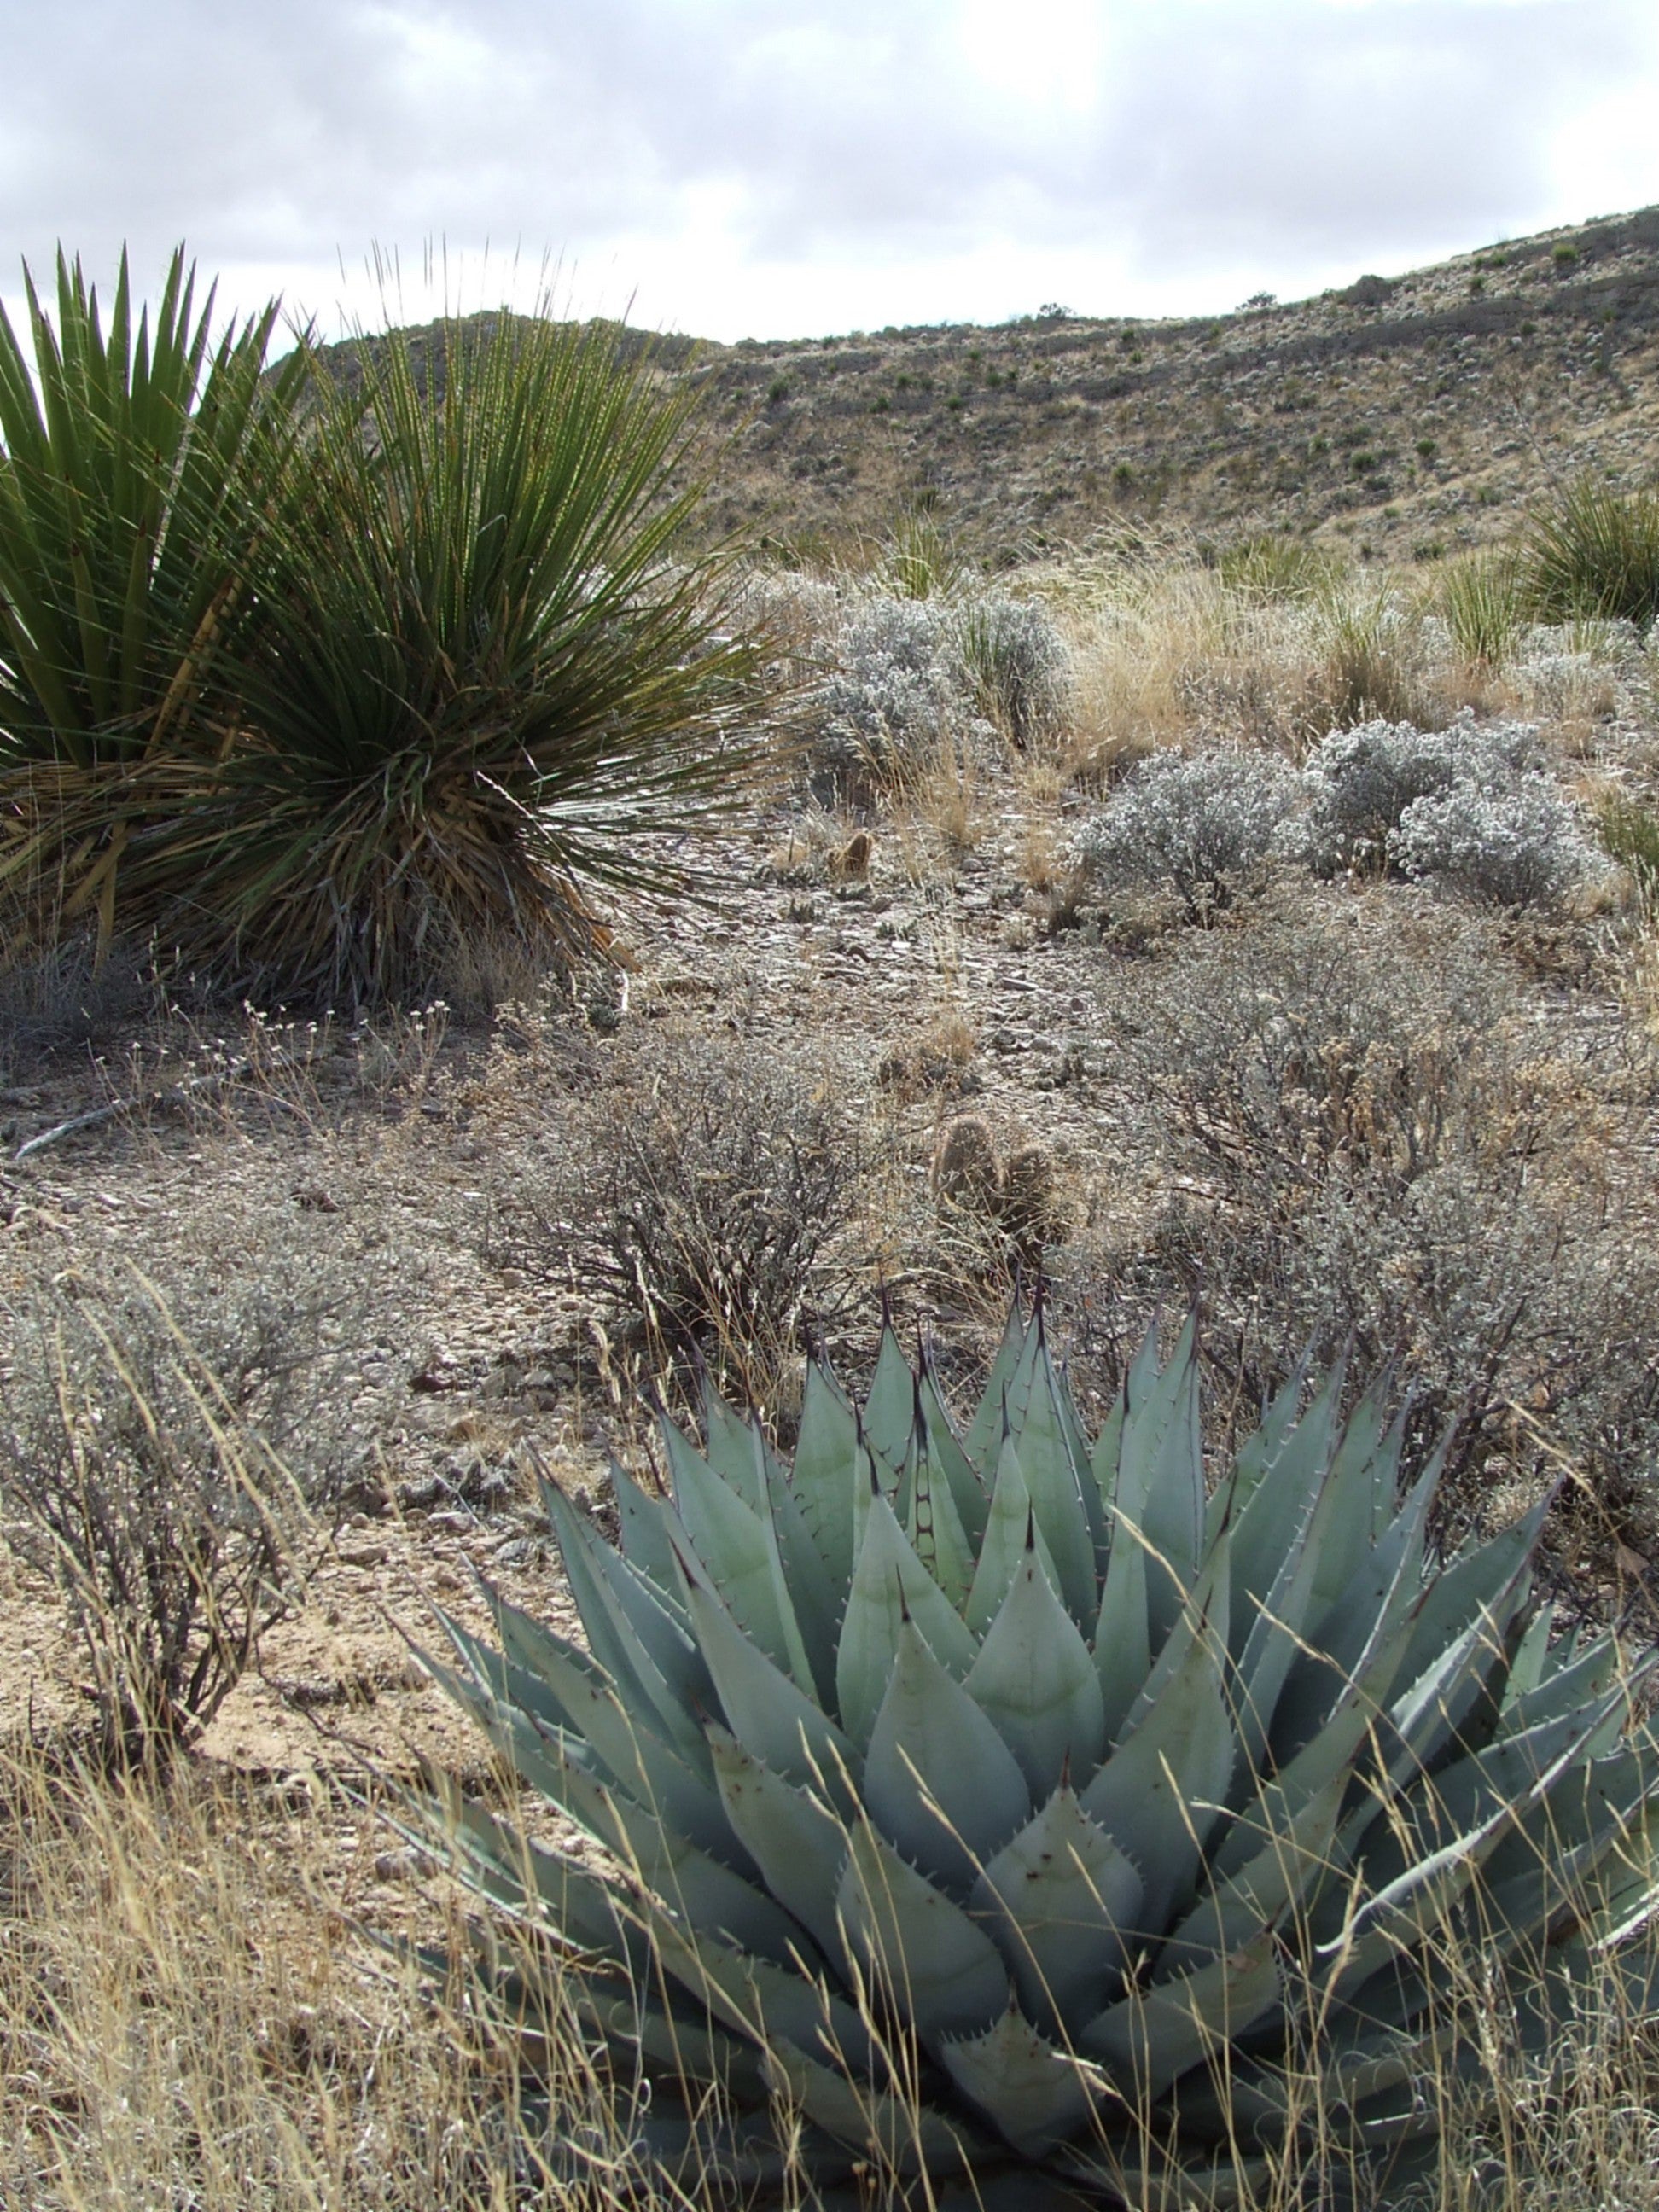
939 1779
891 1586
1034 2094
1058 1898
923 1957
1035 1680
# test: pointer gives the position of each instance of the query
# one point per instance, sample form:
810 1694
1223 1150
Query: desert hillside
1407 415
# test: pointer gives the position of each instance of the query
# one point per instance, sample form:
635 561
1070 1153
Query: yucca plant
1484 601
138 464
477 673
1593 550
1006 1804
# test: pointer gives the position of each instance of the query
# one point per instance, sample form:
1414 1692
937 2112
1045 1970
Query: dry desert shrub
708 1195
173 1465
1369 1135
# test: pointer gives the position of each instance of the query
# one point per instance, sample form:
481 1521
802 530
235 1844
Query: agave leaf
780 1724
1172 1518
1034 1679
645 1539
1489 1579
797 1842
1034 2094
1077 1443
630 1628
985 1430
968 1492
922 1954
1266 1888
1592 1672
761 1999
938 1780
728 1449
935 1529
1123 1655
1151 2037
737 1549
1376 1615
1203 1614
817 1603
632 1753
1527 1668
1268 1521
582 1908
1057 1898
1037 1430
905 2135
890 1409
889 1586
1162 1790
1003 1551
1258 1451
827 1470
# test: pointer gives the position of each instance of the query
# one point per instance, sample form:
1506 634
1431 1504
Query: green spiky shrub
1484 602
139 459
1595 551
477 674
1007 1802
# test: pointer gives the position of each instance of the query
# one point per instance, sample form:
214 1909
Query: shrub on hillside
1366 1138
1208 826
1522 844
1017 665
1360 781
164 1464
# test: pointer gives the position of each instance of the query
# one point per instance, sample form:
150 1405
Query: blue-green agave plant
1013 1805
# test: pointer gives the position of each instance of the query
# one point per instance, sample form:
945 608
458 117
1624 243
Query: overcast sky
791 167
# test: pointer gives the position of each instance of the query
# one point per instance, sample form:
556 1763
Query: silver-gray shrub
1207 826
1017 664
892 693
1522 844
1360 781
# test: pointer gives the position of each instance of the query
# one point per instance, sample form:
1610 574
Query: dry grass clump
1367 1136
188 2018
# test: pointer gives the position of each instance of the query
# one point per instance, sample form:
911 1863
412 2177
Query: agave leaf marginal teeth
1015 1771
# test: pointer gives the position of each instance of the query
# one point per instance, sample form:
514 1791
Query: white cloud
802 165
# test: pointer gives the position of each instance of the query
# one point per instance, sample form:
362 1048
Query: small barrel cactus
1008 1802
